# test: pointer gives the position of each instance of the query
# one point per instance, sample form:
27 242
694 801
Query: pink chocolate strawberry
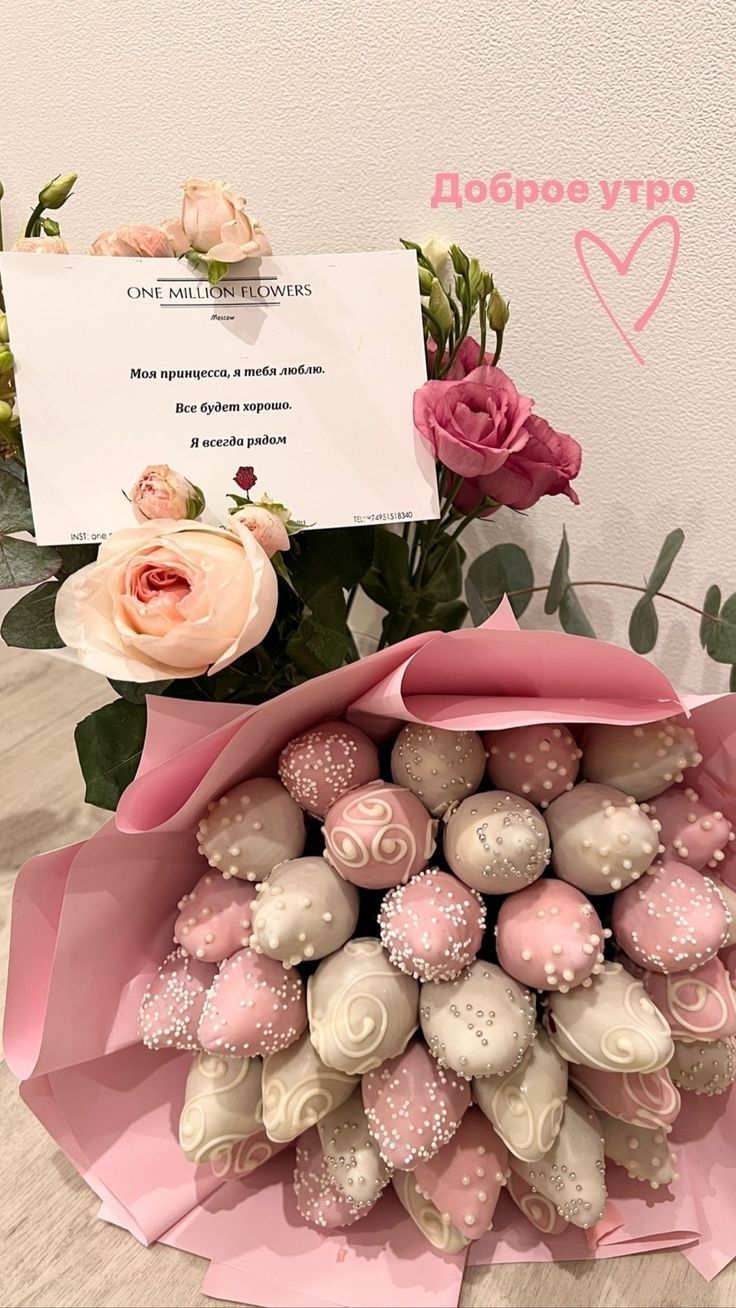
413 1106
254 1006
215 917
465 1178
172 1005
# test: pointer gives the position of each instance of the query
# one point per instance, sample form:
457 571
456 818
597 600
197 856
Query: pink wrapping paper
92 922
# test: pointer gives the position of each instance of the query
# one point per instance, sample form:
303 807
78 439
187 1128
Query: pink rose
41 245
129 242
215 223
168 599
545 465
472 425
267 527
160 492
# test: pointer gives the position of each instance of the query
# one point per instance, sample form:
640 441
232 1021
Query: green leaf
665 559
321 641
441 617
643 626
109 744
135 691
560 579
341 554
15 504
387 580
732 679
444 571
30 624
502 570
721 636
216 270
74 557
711 609
23 563
572 617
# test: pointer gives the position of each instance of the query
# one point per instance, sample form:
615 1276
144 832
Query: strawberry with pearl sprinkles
495 842
479 1024
215 917
352 1154
172 1006
439 766
645 1154
690 829
549 936
304 910
249 830
434 1225
254 1006
432 927
674 921
324 763
601 839
413 1106
541 1212
465 1178
642 761
320 1201
572 1175
538 762
704 1067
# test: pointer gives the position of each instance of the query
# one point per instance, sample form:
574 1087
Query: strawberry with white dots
250 829
549 936
538 762
674 921
215 917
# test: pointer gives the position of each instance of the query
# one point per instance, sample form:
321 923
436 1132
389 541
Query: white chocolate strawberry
362 1009
320 1201
439 766
249 830
496 842
572 1175
610 1024
352 1154
299 1089
525 1106
479 1024
601 838
304 910
222 1106
645 1154
642 761
704 1067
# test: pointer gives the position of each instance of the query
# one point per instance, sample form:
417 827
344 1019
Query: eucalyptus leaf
478 610
643 626
74 557
721 635
560 579
711 609
572 617
15 504
23 563
109 744
30 624
732 679
666 557
502 570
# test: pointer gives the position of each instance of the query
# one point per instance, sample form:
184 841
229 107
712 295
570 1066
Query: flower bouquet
448 1025
421 957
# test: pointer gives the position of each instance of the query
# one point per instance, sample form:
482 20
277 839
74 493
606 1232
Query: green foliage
23 563
30 624
643 626
109 745
503 570
572 616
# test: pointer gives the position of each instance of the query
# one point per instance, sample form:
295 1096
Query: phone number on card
399 516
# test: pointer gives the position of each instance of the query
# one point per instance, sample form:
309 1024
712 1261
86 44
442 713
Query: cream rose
168 599
214 222
130 242
41 245
267 527
161 492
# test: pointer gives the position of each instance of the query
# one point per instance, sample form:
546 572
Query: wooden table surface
56 1251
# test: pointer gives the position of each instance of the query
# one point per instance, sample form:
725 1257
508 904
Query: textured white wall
334 118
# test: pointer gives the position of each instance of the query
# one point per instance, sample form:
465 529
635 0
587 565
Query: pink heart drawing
623 267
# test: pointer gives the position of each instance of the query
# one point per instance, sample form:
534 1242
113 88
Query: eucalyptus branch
618 585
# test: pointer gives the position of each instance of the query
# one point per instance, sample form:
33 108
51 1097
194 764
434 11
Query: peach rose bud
160 492
267 527
216 225
41 245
